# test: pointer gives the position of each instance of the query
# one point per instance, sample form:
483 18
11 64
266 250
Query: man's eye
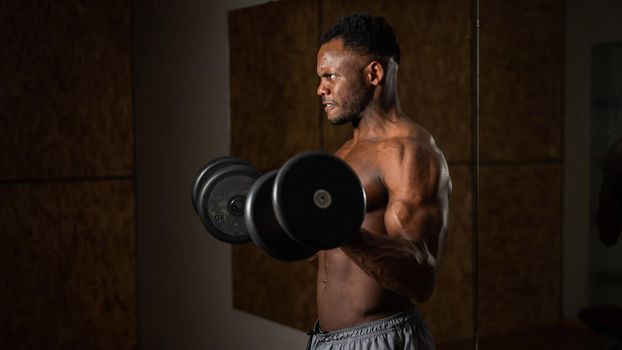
332 76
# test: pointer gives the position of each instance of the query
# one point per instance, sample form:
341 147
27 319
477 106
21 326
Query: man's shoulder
414 147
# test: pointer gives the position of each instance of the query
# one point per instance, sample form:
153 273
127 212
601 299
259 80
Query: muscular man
610 196
366 287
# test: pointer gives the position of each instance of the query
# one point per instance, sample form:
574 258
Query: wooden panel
521 85
449 311
279 291
519 247
274 115
521 79
65 99
274 112
435 71
67 266
567 335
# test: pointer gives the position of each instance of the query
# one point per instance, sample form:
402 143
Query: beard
355 103
342 119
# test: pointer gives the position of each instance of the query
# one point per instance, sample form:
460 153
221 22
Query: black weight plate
221 194
263 227
211 167
318 200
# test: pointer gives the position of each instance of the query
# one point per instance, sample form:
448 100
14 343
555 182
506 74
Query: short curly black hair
365 34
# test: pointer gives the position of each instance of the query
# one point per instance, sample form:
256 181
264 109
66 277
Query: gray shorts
405 330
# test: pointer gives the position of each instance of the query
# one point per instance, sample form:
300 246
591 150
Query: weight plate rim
211 182
250 200
252 227
277 197
209 169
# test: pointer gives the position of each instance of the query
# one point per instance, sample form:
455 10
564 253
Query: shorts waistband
408 316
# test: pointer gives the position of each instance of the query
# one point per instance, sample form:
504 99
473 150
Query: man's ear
374 73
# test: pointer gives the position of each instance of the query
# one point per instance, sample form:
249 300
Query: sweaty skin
394 258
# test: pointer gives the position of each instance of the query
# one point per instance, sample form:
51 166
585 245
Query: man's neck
379 117
376 122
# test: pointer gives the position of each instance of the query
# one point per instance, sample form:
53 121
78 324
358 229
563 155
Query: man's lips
328 105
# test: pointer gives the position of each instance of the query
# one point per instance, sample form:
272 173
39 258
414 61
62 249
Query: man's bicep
414 220
415 188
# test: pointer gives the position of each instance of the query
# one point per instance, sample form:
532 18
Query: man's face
345 92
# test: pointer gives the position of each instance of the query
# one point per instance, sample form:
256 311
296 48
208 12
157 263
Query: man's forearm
402 266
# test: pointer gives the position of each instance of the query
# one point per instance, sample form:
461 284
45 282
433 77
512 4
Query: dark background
108 109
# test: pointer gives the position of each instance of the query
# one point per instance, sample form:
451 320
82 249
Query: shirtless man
366 287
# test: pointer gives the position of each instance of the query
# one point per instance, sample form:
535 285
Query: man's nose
322 90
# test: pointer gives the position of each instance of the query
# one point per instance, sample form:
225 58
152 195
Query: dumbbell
218 195
314 201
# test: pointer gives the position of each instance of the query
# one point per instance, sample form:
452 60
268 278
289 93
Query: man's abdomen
347 297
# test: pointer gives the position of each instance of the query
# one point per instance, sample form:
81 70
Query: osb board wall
274 115
66 89
435 88
521 80
272 50
67 260
68 274
521 86
519 245
279 291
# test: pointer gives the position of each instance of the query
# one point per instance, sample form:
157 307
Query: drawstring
312 333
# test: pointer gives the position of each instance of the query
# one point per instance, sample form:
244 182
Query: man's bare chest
364 162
